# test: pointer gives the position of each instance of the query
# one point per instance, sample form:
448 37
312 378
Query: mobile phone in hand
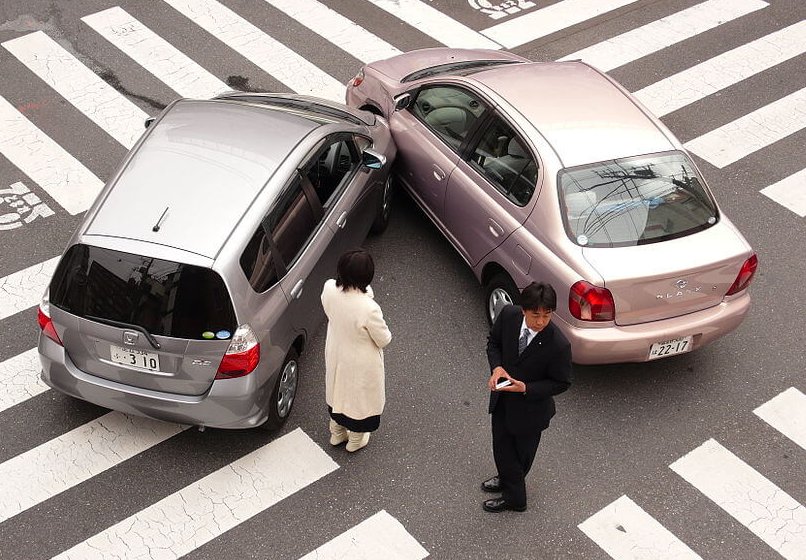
502 382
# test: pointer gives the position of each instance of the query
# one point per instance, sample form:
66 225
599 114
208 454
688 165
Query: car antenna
162 219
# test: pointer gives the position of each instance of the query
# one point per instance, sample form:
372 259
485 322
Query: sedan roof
197 172
581 113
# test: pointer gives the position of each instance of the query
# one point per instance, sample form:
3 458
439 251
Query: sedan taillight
745 276
591 303
242 356
358 79
45 323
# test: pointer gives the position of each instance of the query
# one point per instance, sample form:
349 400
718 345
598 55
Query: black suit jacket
544 366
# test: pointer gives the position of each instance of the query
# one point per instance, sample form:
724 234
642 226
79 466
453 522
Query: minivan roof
197 172
582 114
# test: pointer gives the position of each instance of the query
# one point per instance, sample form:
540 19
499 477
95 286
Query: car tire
499 291
385 208
283 393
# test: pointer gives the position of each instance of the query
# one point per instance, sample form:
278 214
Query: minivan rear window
634 201
164 297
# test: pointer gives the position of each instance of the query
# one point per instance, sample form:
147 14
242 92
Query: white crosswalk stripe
789 192
758 504
19 379
787 414
200 512
380 536
626 532
79 85
665 32
436 24
24 289
545 21
724 70
259 48
72 458
58 173
342 32
155 54
740 138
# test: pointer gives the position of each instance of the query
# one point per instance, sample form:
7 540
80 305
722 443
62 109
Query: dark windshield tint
458 68
165 298
634 201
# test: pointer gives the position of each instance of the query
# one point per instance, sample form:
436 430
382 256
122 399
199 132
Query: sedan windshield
634 201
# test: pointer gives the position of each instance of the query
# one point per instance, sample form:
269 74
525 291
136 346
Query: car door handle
439 175
296 291
495 229
342 221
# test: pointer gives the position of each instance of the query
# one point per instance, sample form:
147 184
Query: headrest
515 149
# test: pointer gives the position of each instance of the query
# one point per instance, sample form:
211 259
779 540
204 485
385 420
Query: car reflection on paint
554 172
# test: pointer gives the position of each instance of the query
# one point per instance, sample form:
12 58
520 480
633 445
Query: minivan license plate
134 357
670 347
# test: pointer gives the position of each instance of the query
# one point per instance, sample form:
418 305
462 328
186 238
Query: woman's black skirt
369 424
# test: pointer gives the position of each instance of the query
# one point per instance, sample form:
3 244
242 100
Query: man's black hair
538 295
355 270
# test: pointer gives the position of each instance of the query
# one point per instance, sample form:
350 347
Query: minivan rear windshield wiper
151 340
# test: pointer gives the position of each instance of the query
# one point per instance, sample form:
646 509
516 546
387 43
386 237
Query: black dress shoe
491 485
497 505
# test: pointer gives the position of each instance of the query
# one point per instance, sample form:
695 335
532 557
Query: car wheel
385 209
500 291
282 395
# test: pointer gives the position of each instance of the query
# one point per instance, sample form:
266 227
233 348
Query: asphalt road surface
701 455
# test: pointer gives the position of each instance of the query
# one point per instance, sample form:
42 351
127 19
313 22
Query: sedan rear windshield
634 201
166 298
464 68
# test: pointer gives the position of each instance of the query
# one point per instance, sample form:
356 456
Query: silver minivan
192 285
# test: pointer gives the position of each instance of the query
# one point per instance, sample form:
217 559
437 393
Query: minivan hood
670 278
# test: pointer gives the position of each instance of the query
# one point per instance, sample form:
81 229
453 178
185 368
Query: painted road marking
787 412
79 85
259 48
435 24
758 504
24 289
724 70
667 31
49 165
548 20
790 192
200 512
733 141
72 458
626 532
19 206
155 54
501 9
379 536
19 380
342 32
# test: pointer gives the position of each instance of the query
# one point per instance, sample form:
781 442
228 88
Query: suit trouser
513 456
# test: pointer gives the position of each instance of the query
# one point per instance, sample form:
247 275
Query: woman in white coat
356 335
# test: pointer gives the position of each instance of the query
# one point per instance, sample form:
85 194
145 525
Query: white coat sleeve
377 329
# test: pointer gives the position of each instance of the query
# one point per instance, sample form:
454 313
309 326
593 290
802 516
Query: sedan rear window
634 201
166 298
463 68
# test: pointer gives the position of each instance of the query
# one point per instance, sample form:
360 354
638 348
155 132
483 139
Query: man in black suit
526 350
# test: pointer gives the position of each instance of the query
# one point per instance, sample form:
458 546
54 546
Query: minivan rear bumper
229 403
619 344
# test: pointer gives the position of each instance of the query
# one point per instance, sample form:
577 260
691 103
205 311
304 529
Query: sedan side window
503 157
450 112
331 167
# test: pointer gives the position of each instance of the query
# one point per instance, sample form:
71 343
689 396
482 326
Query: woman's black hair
355 270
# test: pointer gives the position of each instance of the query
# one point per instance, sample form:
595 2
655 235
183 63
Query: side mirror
150 121
402 101
372 159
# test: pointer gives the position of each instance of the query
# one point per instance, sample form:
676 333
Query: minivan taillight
591 303
242 356
45 323
745 275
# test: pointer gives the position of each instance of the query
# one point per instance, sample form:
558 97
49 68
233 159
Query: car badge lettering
681 284
130 338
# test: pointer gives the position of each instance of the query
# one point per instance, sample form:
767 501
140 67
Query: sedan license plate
670 347
134 357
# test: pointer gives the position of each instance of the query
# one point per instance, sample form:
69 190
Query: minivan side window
503 157
331 168
449 111
291 222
